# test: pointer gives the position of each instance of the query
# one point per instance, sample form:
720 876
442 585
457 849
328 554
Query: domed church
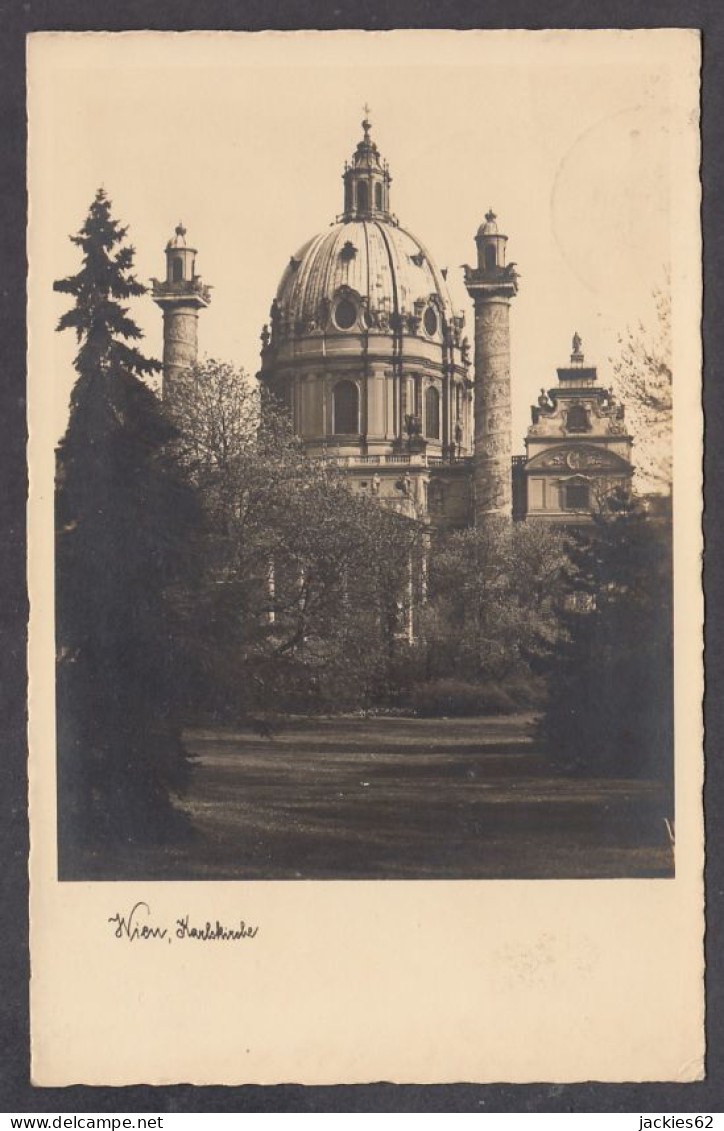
364 347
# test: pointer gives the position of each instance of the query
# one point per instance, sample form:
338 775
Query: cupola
180 258
490 243
366 180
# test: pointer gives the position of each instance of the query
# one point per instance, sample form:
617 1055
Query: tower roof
366 155
490 227
178 240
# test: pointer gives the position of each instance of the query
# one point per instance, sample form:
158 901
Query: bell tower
181 295
492 285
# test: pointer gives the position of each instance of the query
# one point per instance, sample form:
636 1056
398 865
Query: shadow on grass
399 799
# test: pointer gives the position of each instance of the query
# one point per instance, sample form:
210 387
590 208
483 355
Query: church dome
363 273
363 344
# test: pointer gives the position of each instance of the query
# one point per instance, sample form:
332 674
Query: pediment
588 458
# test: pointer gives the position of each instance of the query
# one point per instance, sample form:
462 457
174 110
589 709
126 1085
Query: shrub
458 699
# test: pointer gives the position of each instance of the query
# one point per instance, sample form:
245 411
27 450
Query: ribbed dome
387 267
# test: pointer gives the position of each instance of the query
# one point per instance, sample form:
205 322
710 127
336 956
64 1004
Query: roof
383 262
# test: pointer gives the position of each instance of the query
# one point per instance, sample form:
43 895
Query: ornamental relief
489 447
576 459
379 319
183 329
494 393
492 314
495 340
495 368
491 491
497 420
546 427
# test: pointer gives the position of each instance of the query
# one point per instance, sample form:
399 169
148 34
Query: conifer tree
123 518
610 709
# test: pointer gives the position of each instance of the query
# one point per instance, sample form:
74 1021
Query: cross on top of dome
366 124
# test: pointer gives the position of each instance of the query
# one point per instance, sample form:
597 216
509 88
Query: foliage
493 600
610 706
458 698
301 603
643 376
123 517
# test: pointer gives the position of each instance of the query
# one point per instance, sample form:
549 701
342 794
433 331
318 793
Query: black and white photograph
362 451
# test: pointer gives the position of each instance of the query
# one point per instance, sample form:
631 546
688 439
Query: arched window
362 196
378 196
432 413
577 419
491 257
346 408
177 270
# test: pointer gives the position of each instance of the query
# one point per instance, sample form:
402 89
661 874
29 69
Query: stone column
180 340
492 285
181 295
445 422
493 424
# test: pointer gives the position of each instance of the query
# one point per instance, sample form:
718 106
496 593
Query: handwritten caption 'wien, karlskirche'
138 926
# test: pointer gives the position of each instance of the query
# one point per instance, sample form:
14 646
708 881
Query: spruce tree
123 521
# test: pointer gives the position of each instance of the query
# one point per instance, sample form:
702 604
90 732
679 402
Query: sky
570 136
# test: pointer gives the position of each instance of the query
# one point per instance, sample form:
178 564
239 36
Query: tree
304 578
123 521
610 706
493 600
643 375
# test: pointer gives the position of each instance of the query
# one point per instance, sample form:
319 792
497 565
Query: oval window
345 314
430 321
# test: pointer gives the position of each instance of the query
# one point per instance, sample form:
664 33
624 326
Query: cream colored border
357 982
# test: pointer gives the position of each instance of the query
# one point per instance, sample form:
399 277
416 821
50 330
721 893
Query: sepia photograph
358 444
363 499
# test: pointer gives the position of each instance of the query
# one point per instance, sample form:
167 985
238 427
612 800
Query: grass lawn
353 798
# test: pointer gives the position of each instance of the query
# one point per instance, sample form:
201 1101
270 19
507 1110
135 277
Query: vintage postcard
366 613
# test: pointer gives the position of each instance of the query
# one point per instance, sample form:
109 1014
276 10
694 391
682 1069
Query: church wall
546 495
387 393
456 510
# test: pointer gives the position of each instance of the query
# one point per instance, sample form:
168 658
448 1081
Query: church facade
365 349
